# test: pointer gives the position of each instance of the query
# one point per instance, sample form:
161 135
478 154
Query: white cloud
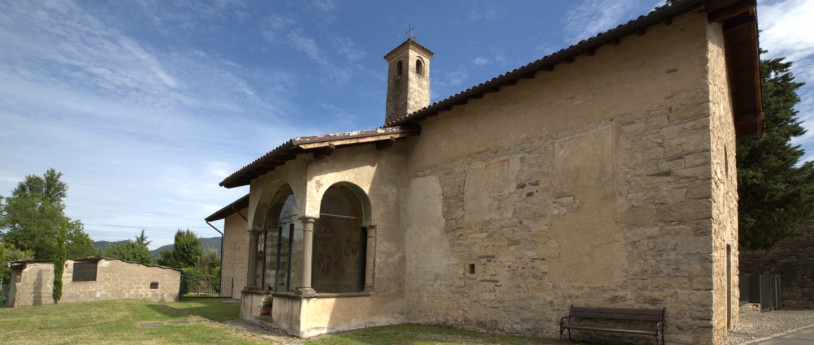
345 47
323 5
142 135
484 12
787 28
786 31
480 61
594 16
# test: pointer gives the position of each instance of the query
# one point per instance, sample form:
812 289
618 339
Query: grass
116 322
210 308
422 335
111 322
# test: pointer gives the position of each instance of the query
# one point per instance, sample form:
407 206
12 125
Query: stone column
251 279
370 256
308 252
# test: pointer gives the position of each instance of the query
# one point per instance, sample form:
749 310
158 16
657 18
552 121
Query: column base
306 292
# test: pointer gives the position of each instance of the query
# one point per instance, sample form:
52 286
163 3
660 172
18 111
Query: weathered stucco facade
602 175
33 282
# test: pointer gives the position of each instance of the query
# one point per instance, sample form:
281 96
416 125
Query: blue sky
145 106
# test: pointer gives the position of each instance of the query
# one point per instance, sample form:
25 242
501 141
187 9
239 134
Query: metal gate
761 288
207 287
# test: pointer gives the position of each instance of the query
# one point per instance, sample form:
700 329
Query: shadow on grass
168 312
210 308
412 334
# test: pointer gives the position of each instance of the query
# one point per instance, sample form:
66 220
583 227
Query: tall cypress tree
776 193
59 262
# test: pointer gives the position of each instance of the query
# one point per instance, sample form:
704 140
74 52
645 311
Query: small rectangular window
84 271
154 285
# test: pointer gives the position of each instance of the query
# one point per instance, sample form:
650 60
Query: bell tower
408 79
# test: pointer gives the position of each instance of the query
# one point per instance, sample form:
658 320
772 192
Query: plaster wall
114 280
588 185
335 313
379 175
235 252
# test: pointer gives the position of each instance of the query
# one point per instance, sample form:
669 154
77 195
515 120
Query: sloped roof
740 29
230 209
23 263
320 145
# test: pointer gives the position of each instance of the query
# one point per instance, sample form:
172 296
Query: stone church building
601 175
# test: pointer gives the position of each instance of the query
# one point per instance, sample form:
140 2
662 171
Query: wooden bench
614 314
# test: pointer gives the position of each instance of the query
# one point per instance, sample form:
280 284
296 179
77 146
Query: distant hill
209 242
101 245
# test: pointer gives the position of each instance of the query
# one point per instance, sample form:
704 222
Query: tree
185 251
776 193
135 251
59 263
31 217
9 253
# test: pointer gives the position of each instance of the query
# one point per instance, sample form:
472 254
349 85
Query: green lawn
210 308
113 322
116 322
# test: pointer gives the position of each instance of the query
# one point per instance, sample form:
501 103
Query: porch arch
340 240
277 240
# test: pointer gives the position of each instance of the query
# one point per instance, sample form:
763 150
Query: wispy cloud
593 16
449 83
345 47
322 5
284 30
786 29
143 135
480 61
484 11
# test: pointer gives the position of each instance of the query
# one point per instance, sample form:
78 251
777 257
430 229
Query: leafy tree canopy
185 251
776 193
31 217
135 251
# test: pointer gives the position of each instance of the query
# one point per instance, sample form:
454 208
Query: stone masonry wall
235 252
587 186
724 312
792 259
114 280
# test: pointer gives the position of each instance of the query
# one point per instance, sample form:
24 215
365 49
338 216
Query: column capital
308 220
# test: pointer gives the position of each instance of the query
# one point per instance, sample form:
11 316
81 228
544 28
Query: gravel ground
753 326
264 331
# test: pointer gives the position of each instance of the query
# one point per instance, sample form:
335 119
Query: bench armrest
562 321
